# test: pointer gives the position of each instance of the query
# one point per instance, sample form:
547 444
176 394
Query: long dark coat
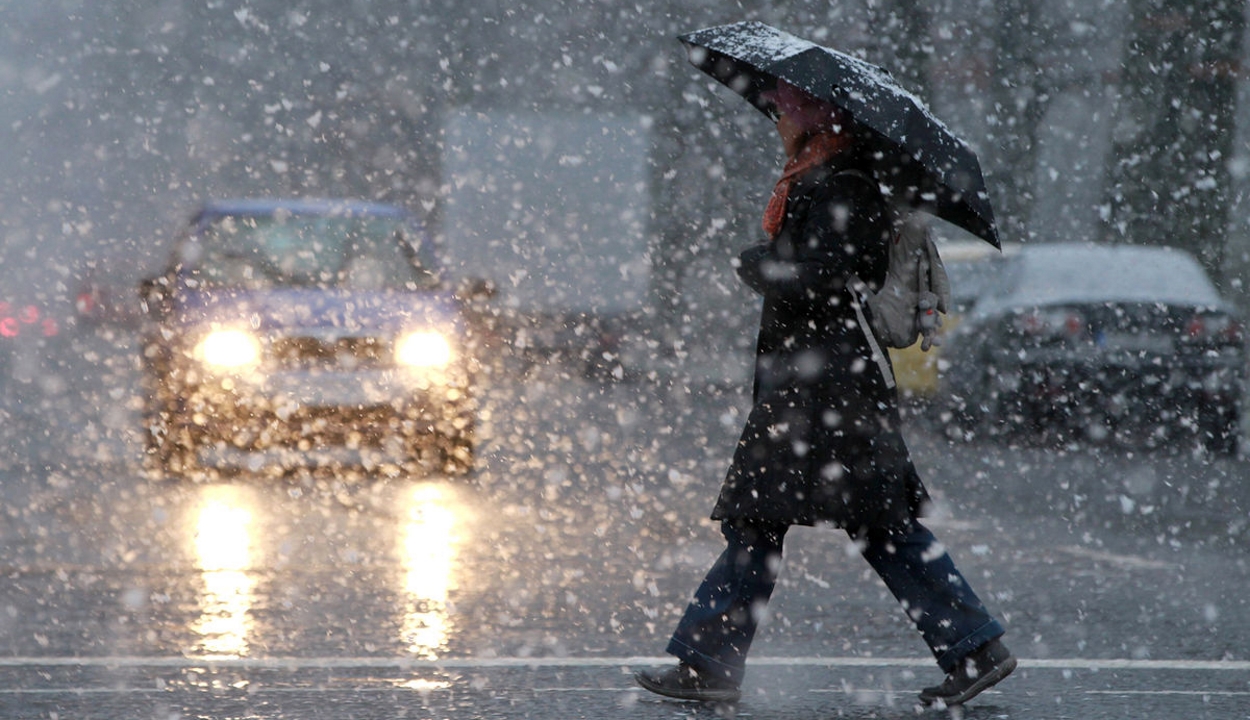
822 443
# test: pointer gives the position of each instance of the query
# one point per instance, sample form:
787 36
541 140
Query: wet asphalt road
533 588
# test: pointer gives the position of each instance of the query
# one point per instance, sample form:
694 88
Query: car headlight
229 349
423 349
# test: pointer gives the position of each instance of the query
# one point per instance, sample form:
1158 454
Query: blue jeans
715 633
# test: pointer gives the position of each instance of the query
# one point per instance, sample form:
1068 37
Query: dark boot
979 671
685 683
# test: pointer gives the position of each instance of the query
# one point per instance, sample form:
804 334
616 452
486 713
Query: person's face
792 134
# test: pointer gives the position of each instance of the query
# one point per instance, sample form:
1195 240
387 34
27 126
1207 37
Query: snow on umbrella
924 163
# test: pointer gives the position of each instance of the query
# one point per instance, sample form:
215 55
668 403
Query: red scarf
818 150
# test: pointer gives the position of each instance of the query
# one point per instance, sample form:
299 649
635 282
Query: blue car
315 327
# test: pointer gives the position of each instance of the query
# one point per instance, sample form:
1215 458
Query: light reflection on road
433 529
223 554
425 528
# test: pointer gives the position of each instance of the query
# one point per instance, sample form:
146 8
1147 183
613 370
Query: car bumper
1147 391
348 390
325 408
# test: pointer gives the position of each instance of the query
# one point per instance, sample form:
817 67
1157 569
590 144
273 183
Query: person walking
822 444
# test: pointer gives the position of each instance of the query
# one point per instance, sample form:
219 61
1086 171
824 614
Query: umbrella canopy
921 161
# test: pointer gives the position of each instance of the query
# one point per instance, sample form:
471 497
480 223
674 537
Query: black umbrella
923 162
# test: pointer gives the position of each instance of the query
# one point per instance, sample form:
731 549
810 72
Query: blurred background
1110 120
567 152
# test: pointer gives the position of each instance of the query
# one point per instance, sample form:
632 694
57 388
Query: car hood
323 310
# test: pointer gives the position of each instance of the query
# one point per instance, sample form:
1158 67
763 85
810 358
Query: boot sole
697 695
983 683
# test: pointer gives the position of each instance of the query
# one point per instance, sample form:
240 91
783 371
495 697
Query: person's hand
751 256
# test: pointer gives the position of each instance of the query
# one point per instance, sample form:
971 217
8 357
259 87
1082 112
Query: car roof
298 206
1058 273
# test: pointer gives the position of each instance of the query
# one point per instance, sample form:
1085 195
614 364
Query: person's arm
846 229
767 274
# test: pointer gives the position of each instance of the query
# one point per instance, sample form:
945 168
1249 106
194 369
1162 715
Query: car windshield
278 250
969 278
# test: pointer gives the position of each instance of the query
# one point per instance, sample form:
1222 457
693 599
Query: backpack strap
878 355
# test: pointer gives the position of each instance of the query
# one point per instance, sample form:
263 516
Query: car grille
327 353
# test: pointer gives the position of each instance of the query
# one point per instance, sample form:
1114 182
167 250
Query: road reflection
245 532
434 528
223 554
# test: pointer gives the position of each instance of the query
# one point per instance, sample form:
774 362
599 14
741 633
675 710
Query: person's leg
716 631
924 579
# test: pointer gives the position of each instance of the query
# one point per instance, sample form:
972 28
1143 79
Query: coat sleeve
766 272
844 232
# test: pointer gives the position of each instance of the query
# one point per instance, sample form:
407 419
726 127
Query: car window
1120 273
1001 283
265 251
1056 274
969 279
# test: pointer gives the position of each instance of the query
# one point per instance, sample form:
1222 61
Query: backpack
915 291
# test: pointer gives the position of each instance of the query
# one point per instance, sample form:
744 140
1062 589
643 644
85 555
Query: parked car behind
34 348
104 294
1108 342
305 324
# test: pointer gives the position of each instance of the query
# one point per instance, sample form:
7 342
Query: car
1103 342
35 353
103 295
305 325
970 266
27 322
